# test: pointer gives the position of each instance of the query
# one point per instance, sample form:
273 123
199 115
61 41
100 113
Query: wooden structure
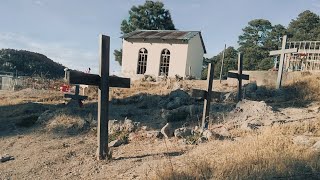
76 96
239 76
307 58
282 52
104 81
206 94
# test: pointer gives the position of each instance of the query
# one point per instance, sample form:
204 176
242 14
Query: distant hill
29 64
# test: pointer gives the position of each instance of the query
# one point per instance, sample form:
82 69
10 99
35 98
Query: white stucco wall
195 57
178 56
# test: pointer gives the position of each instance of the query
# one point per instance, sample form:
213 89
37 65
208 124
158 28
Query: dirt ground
40 153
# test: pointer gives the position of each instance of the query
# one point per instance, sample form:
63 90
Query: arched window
164 62
142 61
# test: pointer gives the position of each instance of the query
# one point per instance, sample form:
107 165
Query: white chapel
162 53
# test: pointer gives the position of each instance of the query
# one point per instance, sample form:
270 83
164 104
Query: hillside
29 63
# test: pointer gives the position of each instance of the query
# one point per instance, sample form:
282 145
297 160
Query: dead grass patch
265 154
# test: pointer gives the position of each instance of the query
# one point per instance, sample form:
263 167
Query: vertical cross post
240 56
103 97
282 56
207 99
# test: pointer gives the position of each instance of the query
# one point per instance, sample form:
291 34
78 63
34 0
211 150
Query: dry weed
265 154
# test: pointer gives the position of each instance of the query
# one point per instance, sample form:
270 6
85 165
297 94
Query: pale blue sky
67 30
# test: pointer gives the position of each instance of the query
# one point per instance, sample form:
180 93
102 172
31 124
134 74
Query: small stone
6 158
182 132
316 146
115 143
153 134
207 134
144 128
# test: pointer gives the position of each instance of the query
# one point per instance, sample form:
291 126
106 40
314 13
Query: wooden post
282 56
207 100
239 76
240 79
222 62
103 96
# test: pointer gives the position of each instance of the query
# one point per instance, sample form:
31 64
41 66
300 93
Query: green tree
305 27
230 63
258 38
149 16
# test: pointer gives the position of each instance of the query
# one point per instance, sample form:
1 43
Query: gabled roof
164 35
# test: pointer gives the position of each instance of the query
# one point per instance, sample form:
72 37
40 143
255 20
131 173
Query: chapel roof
164 35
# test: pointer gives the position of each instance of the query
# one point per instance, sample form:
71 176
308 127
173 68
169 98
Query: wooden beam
240 56
103 98
76 77
207 100
236 76
75 97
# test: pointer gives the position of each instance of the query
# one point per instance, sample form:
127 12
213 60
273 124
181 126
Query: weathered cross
239 76
282 52
76 96
104 81
206 94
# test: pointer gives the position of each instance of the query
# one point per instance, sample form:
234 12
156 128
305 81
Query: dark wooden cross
104 82
282 52
239 76
206 94
76 96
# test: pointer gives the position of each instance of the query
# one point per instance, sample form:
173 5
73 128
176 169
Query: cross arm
76 77
236 76
285 51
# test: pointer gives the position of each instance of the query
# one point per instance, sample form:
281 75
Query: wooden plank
76 97
103 98
76 77
240 74
198 93
206 106
236 76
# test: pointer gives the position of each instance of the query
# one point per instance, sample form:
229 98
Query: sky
67 31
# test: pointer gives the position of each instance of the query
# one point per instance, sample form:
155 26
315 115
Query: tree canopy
305 27
149 16
230 63
258 38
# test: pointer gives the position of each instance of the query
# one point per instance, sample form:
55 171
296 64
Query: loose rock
115 143
182 132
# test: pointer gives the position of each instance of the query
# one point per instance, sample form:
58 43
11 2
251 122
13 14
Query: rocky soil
48 138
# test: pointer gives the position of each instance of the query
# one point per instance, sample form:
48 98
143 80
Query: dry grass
265 154
306 86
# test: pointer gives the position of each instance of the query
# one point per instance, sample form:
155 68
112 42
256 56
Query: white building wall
178 57
195 57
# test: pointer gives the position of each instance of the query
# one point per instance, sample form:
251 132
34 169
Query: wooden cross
282 52
239 76
104 81
206 94
76 96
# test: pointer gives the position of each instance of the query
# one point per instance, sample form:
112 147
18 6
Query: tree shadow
170 154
